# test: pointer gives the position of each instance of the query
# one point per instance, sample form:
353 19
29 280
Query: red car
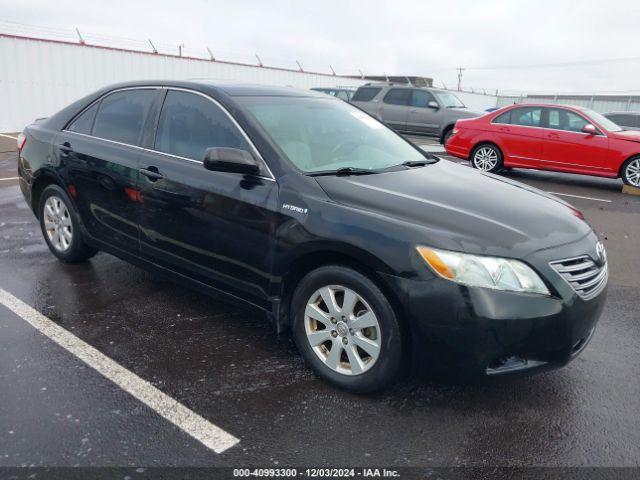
548 137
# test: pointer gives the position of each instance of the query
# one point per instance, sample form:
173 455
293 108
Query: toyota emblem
601 252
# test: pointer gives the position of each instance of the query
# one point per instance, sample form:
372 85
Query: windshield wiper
344 171
419 163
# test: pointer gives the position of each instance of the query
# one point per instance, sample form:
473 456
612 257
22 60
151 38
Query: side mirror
433 104
231 160
590 129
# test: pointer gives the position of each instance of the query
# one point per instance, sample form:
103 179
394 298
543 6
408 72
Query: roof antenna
333 72
80 39
180 47
213 59
361 74
299 66
259 61
153 47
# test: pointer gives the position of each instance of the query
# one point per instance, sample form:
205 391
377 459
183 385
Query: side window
421 98
190 123
365 94
398 96
84 122
122 115
565 120
526 116
343 95
503 118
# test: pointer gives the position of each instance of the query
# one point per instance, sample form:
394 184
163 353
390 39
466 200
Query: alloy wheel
485 159
57 223
342 329
632 172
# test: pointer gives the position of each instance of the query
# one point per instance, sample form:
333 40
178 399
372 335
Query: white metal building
39 77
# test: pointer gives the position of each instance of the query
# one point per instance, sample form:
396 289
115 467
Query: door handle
553 135
504 129
65 148
151 173
414 110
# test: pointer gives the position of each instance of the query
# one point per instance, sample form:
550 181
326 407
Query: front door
215 227
567 148
100 149
422 118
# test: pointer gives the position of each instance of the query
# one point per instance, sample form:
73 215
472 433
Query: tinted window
365 94
84 122
122 115
398 96
190 123
622 119
343 95
565 120
503 118
528 116
421 98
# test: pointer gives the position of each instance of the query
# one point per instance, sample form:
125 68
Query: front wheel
346 329
60 226
486 158
631 172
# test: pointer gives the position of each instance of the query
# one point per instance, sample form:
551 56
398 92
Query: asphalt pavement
223 362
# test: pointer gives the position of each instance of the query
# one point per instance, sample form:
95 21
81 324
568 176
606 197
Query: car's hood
466 112
457 207
631 135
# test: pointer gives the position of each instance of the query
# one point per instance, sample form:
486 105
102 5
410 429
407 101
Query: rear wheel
60 226
346 329
446 136
631 172
487 158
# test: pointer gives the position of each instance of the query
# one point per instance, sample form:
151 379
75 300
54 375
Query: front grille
584 276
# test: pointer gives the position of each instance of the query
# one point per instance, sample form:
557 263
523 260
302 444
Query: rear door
216 227
100 149
520 134
421 118
567 148
395 107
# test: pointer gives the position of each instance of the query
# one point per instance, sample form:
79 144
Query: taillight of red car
21 141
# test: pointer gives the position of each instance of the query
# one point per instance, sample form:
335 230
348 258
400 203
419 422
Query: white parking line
8 178
8 136
205 432
580 196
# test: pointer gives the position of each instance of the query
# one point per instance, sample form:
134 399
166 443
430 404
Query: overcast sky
429 38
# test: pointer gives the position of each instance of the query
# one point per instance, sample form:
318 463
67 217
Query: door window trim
151 150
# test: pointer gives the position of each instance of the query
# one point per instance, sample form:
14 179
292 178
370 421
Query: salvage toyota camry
375 254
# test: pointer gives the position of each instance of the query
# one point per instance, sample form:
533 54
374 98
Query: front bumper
463 332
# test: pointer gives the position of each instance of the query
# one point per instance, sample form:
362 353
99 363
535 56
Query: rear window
122 115
398 96
365 94
622 119
84 122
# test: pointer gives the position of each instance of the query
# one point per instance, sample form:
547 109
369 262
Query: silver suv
408 109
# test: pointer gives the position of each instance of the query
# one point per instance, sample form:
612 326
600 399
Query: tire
445 137
60 226
486 158
630 172
370 324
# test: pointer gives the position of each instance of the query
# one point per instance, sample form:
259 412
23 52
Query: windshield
449 100
318 134
603 121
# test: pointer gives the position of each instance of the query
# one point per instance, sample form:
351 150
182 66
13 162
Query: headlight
479 271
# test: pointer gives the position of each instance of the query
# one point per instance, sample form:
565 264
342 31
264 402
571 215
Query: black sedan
372 252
